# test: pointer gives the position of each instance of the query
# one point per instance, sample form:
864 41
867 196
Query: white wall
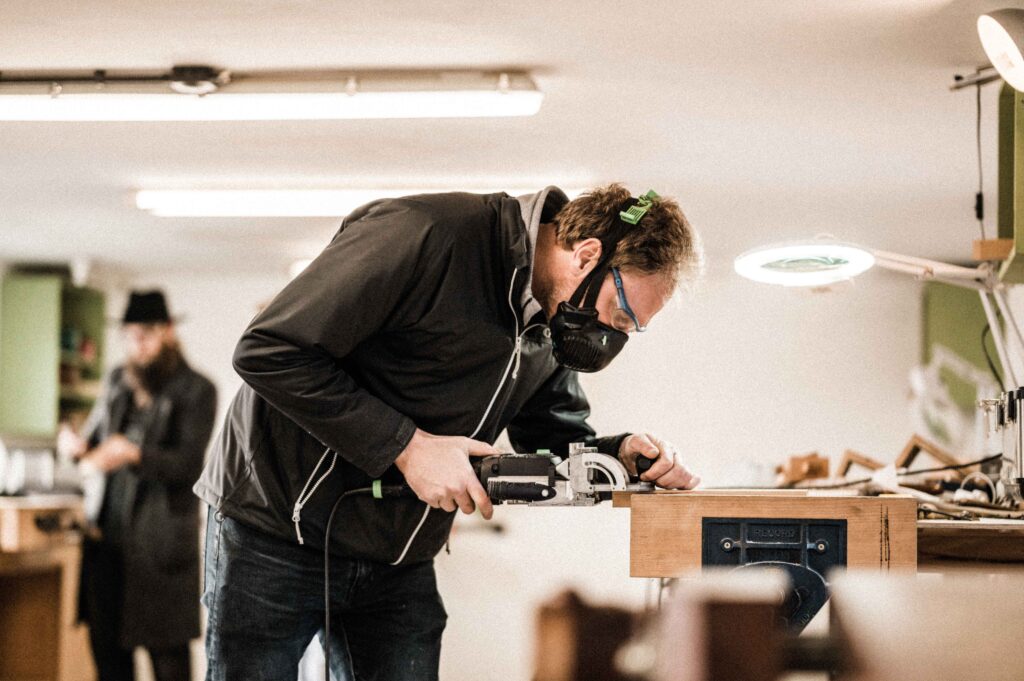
739 376
212 311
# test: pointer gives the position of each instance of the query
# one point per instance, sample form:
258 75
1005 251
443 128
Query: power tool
584 478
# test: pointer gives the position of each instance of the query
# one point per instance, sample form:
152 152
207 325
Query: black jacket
409 318
159 560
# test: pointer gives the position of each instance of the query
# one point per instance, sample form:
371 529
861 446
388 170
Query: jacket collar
523 216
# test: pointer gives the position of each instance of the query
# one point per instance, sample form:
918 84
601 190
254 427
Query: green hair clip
638 210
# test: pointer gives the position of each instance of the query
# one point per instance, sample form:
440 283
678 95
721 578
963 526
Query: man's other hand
70 444
437 469
667 470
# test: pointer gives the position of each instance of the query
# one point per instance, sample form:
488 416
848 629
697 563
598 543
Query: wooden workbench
40 639
666 536
990 545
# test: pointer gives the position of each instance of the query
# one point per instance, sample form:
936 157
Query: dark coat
155 574
411 317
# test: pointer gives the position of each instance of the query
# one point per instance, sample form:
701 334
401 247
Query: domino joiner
584 478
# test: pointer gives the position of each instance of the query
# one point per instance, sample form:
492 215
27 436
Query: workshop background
768 121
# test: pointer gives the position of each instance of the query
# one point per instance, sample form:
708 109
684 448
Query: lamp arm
928 269
981 279
983 76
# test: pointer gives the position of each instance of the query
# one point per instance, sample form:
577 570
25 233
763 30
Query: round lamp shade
1002 35
804 263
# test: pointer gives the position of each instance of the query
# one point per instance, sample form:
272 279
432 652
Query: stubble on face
551 283
543 292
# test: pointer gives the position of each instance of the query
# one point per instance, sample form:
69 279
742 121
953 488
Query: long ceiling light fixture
285 202
203 93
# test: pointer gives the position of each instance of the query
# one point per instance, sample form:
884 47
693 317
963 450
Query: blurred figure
148 434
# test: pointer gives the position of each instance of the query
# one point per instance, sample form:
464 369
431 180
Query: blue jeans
265 598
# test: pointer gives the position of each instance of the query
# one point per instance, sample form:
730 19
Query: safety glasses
623 317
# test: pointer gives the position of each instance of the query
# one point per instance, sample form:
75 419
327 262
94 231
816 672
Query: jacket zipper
304 496
514 359
514 363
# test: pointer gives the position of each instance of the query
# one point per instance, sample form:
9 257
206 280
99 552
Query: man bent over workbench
427 326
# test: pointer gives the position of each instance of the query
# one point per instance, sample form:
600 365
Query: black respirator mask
580 341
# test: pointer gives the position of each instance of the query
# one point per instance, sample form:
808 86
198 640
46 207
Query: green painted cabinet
51 336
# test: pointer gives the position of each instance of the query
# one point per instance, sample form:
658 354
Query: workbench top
36 501
38 522
972 542
665 532
667 528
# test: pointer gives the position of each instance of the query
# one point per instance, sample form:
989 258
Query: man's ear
585 255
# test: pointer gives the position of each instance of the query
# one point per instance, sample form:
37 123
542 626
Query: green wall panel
29 354
955 318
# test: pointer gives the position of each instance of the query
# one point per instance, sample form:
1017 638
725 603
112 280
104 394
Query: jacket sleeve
555 416
360 285
183 462
93 426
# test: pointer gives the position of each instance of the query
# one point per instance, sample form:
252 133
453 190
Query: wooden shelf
40 637
84 391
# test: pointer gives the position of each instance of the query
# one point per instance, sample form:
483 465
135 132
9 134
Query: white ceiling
768 120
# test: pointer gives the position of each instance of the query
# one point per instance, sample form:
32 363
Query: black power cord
954 467
378 492
979 198
988 357
327 576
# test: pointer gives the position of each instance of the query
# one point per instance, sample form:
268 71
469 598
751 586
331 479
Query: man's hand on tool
437 469
667 470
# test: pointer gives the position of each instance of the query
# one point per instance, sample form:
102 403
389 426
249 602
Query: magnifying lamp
823 262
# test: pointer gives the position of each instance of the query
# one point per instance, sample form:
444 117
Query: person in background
147 434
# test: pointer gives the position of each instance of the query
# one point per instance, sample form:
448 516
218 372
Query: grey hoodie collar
537 208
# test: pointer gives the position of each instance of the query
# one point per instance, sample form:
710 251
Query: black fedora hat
146 307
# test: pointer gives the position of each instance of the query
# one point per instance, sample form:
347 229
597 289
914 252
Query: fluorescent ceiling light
254 97
804 264
283 202
1002 36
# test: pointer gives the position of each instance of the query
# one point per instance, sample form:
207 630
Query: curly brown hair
663 242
